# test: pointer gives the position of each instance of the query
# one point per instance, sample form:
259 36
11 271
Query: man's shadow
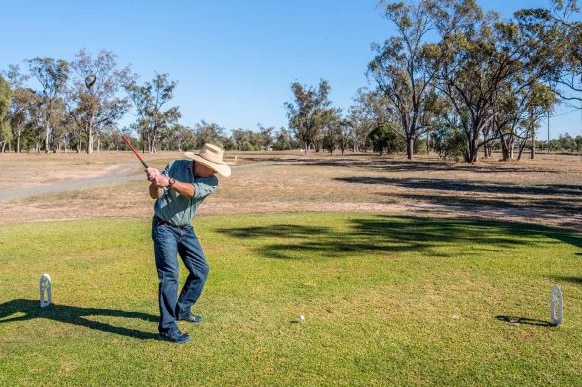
73 315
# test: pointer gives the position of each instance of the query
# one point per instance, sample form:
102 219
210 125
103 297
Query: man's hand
156 177
159 181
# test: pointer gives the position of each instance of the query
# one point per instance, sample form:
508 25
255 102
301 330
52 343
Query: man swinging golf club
179 191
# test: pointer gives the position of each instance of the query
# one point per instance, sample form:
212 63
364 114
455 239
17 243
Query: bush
384 138
450 143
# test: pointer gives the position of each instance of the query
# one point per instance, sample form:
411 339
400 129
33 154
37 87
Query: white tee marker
46 293
556 305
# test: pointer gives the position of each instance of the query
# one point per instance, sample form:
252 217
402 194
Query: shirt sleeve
204 186
166 171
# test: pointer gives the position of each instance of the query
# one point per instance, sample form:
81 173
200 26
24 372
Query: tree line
77 106
456 80
452 79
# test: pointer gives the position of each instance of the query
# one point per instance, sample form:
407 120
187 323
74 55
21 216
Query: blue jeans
169 241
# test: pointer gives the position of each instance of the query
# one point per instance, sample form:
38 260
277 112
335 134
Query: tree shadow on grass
74 315
466 186
556 200
573 280
395 234
372 162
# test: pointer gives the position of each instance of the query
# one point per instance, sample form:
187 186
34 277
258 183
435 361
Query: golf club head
90 80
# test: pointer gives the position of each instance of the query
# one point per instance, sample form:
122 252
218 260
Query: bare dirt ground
548 191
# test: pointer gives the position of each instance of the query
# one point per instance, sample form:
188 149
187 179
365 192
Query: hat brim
222 168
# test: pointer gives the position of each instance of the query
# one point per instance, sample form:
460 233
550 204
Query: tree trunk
507 147
532 155
409 147
472 156
90 141
46 140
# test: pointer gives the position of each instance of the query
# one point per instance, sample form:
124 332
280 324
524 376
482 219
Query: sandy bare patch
546 191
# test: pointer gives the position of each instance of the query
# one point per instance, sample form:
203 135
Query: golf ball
301 318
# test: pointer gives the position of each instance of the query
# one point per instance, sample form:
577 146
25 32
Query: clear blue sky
234 60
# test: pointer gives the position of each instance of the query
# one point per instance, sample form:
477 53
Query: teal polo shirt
180 210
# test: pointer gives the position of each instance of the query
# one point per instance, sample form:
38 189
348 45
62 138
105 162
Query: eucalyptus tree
97 105
385 139
52 74
401 72
150 101
360 126
309 113
178 137
5 97
284 140
332 136
23 103
565 79
468 71
480 58
518 112
345 134
368 111
558 21
243 139
265 136
209 132
329 138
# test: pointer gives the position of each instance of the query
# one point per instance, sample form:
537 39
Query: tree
449 142
384 138
366 113
517 114
149 101
244 139
178 137
209 133
23 109
329 138
5 97
284 140
557 22
331 133
265 137
100 105
479 58
22 97
401 73
309 113
345 134
52 75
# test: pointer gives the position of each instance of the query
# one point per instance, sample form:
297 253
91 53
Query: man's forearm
154 190
184 189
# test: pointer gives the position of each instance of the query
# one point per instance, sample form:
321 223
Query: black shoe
192 319
175 337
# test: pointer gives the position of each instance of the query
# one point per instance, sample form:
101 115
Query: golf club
134 151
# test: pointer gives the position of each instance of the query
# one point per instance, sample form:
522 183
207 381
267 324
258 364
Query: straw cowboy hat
211 156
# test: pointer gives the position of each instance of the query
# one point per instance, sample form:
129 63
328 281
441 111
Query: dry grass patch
59 186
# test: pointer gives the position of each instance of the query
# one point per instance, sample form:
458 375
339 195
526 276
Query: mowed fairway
388 299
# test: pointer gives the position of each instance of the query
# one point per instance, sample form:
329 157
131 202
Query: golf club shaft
134 151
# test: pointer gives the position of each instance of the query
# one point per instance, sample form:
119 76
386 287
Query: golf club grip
134 151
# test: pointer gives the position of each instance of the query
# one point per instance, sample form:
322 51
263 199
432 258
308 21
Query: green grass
387 301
